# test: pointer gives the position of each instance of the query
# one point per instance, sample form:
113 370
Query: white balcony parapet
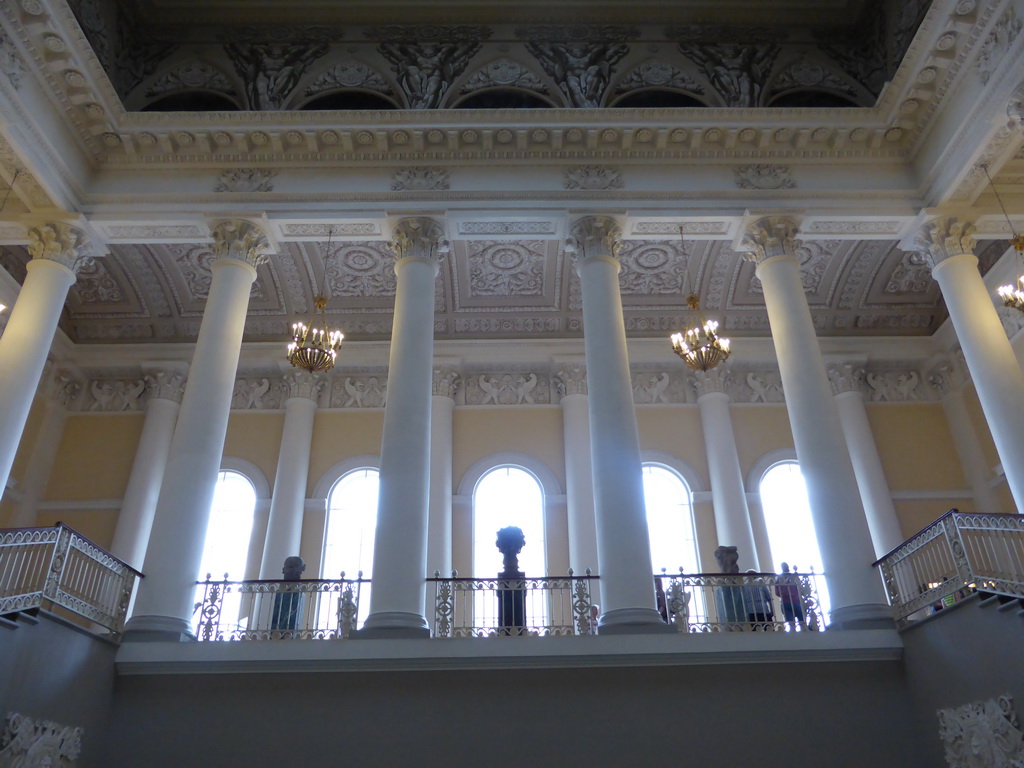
48 567
957 555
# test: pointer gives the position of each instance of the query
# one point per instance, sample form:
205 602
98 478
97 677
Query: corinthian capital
769 237
419 238
241 240
166 384
302 384
594 237
843 377
943 238
572 379
716 379
446 381
61 242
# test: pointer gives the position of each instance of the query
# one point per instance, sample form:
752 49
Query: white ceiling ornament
10 61
246 180
95 284
189 76
361 270
912 275
503 73
657 74
420 179
652 268
349 74
593 178
506 268
997 44
763 176
983 734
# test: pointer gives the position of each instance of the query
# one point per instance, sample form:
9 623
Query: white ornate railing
310 609
958 554
741 602
550 605
59 567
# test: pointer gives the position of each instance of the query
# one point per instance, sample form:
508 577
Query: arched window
504 98
349 100
658 99
351 525
192 101
787 515
670 520
508 496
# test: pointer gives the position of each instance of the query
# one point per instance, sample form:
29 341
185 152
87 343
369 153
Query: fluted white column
729 495
948 243
439 529
287 506
843 536
165 599
623 545
400 544
879 510
947 379
131 537
57 250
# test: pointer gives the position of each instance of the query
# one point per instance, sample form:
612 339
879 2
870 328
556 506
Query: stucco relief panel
506 276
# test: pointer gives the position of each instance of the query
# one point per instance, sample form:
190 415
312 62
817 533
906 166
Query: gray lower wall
51 670
851 714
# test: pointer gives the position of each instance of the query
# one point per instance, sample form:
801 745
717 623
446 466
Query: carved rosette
241 240
572 379
717 379
843 377
166 385
61 242
446 381
419 238
302 384
769 237
594 237
945 237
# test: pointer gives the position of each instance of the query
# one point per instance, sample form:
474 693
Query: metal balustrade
273 609
550 606
958 554
741 602
47 567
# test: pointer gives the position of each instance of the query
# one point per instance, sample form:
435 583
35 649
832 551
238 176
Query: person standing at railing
287 612
729 596
788 592
757 603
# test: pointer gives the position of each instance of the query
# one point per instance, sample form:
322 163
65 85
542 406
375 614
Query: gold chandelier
1012 295
313 347
701 348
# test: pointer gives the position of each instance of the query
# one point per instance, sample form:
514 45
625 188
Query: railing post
956 548
444 605
58 560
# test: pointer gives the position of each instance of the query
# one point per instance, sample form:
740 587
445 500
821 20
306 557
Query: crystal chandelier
313 347
701 348
1012 295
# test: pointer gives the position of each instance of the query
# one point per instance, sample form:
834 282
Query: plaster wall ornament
508 325
60 242
997 44
912 275
10 61
114 396
946 377
1015 109
580 70
478 228
349 74
435 32
420 179
893 386
419 238
240 239
810 73
571 379
652 268
339 229
507 389
302 384
426 71
593 177
982 734
446 381
843 377
61 387
254 394
718 379
651 387
765 387
166 385
688 227
506 268
769 237
359 391
763 176
95 285
190 76
246 180
737 72
594 237
29 743
943 238
503 73
657 74
139 233
1011 319
271 71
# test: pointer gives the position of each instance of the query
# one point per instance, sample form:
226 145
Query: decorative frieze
193 75
998 42
349 74
503 73
763 176
593 178
256 394
115 395
656 387
506 268
359 391
446 381
580 70
571 379
420 179
761 387
843 377
38 743
508 389
425 71
893 386
982 734
246 180
166 385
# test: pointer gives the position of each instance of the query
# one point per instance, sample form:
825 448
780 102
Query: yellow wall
916 446
94 460
759 429
340 435
481 432
28 439
256 436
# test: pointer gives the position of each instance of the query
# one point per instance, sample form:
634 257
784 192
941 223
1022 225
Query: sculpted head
293 568
728 559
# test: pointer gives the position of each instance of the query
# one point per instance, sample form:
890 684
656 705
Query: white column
57 249
729 496
843 537
131 537
623 545
287 507
998 379
400 544
439 529
947 379
867 465
164 605
579 477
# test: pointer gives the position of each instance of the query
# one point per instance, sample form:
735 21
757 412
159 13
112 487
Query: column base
866 616
158 629
393 625
633 621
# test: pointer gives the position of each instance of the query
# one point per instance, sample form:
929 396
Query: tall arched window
787 515
351 525
670 520
508 496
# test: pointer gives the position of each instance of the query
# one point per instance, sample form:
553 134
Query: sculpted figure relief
426 70
271 71
737 72
581 71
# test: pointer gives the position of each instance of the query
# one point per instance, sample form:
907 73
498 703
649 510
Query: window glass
508 496
351 526
670 520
